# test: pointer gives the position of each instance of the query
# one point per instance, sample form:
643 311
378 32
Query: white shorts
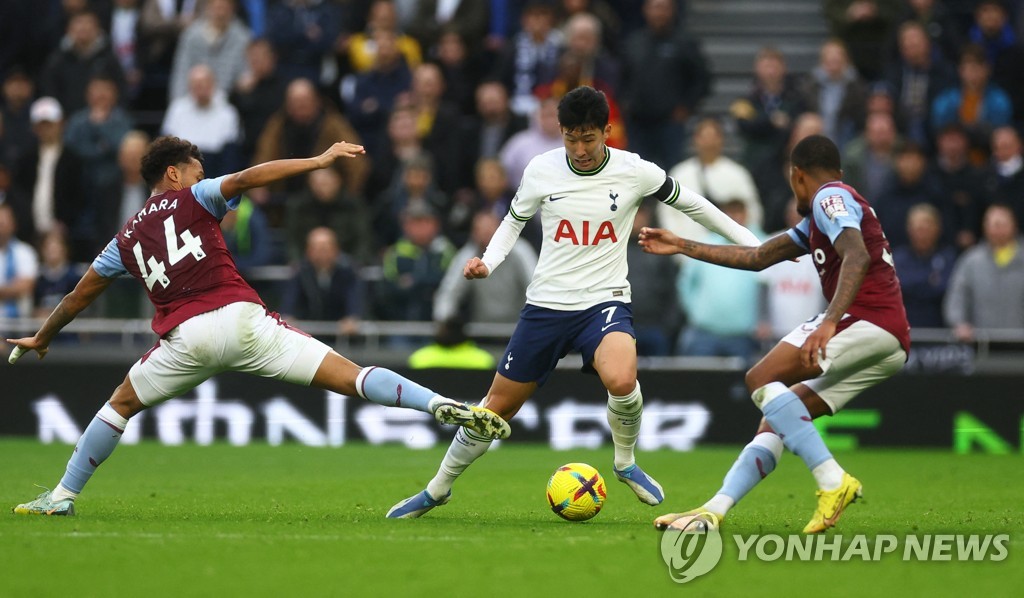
858 357
239 337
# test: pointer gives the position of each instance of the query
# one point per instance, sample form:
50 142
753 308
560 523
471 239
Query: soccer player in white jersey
587 195
208 318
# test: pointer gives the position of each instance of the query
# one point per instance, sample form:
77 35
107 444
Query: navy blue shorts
544 336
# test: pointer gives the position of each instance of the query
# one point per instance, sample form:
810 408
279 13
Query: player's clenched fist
475 268
658 241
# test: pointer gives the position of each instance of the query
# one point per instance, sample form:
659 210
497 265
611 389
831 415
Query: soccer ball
576 492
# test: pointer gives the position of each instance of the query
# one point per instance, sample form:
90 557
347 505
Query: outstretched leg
96 444
505 397
385 387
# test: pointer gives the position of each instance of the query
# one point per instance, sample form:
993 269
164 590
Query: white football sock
61 493
719 504
828 475
624 414
465 448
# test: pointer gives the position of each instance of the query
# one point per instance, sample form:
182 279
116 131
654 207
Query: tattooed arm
777 249
849 245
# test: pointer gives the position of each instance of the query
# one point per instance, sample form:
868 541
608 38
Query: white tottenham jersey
587 218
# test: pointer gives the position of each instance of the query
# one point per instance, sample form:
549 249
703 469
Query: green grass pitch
293 520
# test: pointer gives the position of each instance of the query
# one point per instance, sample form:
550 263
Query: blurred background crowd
452 98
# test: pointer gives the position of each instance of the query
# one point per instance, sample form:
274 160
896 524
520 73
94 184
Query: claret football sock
385 387
466 448
624 415
96 444
790 419
754 463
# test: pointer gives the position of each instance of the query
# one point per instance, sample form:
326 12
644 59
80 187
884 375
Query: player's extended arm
276 170
849 245
497 249
86 291
777 249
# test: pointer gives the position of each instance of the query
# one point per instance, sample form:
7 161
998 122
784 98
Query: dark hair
163 152
583 108
973 53
816 152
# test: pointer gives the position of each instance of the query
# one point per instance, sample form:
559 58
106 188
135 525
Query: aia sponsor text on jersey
580 234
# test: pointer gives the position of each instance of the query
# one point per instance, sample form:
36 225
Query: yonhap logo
691 552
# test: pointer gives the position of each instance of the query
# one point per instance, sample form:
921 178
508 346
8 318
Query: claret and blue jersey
175 247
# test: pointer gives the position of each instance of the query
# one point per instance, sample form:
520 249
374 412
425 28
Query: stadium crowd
452 98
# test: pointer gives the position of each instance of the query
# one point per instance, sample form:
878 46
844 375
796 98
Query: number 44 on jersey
157 270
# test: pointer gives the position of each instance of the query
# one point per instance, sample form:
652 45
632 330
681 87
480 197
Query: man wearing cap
48 178
414 266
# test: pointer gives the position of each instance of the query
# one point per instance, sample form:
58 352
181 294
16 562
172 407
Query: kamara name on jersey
153 207
567 232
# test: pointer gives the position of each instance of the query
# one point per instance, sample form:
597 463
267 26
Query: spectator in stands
326 203
570 76
205 117
134 191
326 285
414 267
609 22
543 134
403 144
500 297
483 133
917 78
583 39
247 235
124 39
94 133
713 175
986 290
1005 176
415 187
217 40
468 17
774 184
864 27
961 184
925 265
834 90
160 25
437 122
665 76
15 119
790 290
531 57
303 127
868 159
362 46
721 304
84 53
57 275
656 313
375 91
451 349
303 33
19 267
976 105
258 93
944 32
765 116
910 186
460 68
1003 50
47 182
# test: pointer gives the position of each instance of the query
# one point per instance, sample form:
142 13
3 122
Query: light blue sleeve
801 234
108 263
835 209
207 192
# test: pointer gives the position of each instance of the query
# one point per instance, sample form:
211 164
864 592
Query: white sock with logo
467 447
624 415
